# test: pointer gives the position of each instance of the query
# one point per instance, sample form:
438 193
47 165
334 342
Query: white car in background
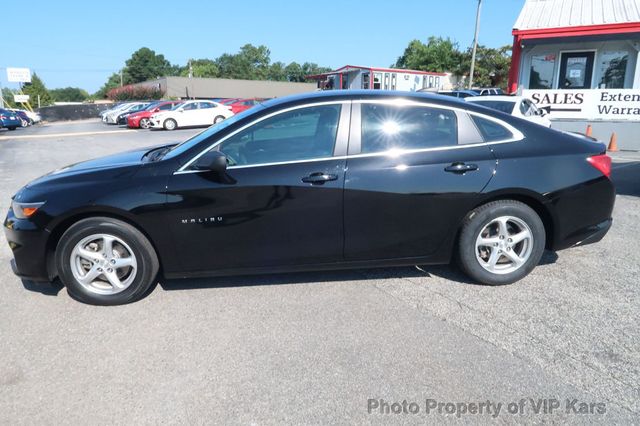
103 114
191 114
518 106
33 116
112 117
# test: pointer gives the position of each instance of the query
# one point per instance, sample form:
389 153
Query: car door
206 113
187 115
413 172
280 201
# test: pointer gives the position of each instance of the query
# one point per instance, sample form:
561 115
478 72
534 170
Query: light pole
475 45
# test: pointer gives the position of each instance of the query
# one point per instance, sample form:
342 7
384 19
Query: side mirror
213 161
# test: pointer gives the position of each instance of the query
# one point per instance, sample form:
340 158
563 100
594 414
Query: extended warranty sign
540 406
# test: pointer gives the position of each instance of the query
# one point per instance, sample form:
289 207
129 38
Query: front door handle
461 168
319 178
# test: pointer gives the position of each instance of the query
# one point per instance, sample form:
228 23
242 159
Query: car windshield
504 106
209 132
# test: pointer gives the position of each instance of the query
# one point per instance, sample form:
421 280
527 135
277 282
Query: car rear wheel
104 261
170 124
11 128
218 119
144 123
501 242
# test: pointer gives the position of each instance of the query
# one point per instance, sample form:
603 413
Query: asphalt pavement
323 348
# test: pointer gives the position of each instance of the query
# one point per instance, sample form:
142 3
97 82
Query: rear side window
490 130
386 127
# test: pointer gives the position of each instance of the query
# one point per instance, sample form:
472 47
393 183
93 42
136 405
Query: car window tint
165 107
191 106
386 127
204 105
300 134
490 130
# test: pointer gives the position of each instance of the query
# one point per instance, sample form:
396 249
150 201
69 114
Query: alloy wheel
103 264
504 245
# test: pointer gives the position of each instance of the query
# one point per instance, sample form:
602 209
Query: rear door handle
319 178
461 168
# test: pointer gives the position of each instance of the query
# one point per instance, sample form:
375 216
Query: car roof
329 95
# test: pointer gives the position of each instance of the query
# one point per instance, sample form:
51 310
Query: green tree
7 96
294 72
437 55
492 66
250 63
37 88
112 82
276 72
145 64
201 68
69 94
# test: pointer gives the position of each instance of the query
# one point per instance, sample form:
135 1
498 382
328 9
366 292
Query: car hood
116 161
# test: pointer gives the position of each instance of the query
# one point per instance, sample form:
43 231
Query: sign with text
19 75
594 104
21 98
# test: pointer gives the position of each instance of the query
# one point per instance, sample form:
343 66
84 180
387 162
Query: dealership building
579 60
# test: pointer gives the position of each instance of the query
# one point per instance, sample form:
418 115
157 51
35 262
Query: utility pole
475 45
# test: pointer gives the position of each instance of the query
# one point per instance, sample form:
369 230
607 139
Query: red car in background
239 105
140 119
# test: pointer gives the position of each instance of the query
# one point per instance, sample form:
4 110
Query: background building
357 77
579 60
204 88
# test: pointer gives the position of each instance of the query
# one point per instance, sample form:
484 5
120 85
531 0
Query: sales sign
19 75
593 104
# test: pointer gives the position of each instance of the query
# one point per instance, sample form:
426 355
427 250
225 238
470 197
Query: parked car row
170 115
12 118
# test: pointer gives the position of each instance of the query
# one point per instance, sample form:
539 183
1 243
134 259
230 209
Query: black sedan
341 179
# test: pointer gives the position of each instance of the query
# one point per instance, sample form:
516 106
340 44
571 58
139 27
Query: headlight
25 210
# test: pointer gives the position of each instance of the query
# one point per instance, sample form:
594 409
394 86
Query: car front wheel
170 124
501 242
144 123
104 261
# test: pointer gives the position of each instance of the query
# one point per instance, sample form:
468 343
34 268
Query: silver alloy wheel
144 123
103 264
504 245
170 124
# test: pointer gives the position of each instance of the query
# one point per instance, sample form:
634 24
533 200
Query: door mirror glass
213 161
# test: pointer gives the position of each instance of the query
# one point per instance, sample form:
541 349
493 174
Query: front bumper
28 244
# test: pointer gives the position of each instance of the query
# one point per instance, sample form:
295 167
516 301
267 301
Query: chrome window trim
280 111
517 135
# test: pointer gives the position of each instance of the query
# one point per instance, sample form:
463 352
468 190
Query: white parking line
60 135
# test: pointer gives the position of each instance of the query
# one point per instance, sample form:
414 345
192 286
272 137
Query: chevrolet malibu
344 179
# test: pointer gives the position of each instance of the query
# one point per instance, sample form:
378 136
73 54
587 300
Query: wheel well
61 228
536 205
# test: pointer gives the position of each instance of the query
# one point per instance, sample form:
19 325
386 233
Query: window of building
613 69
365 80
386 127
377 77
541 74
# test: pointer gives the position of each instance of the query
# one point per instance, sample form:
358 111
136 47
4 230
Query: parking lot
316 347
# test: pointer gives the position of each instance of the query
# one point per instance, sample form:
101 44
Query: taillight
3 117
601 162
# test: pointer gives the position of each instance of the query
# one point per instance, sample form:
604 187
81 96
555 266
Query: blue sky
80 43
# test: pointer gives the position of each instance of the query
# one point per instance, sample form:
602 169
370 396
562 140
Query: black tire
147 260
11 128
218 119
476 222
170 124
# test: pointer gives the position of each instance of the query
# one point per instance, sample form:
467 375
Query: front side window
613 68
541 73
191 106
301 134
204 105
387 127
